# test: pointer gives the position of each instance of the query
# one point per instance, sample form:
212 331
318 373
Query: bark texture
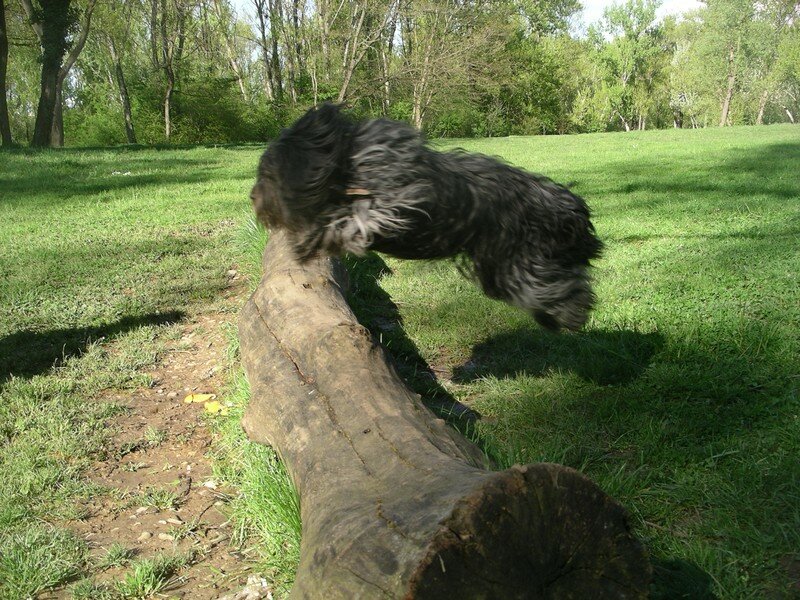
5 125
395 503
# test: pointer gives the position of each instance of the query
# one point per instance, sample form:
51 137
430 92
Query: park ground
122 272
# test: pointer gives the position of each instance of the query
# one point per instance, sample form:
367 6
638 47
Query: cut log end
540 531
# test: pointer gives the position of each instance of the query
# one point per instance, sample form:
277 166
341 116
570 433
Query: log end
539 531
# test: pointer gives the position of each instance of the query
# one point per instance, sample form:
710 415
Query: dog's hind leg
557 296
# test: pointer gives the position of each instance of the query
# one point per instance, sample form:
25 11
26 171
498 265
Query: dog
337 185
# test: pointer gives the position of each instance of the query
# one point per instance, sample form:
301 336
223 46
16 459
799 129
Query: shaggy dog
342 186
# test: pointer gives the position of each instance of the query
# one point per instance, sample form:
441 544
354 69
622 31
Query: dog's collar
356 192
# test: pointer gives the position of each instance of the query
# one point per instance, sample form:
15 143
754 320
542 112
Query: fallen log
394 502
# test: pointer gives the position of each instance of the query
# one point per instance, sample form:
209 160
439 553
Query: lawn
680 397
100 250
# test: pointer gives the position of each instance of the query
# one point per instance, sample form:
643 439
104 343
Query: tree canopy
190 71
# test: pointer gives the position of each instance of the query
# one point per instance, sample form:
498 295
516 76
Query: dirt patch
157 493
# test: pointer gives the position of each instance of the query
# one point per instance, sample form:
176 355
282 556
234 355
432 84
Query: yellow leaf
199 398
215 408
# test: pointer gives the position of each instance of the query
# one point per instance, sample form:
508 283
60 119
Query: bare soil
161 445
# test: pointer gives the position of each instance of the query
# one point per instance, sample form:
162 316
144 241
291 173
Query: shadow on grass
603 357
28 353
375 310
677 579
751 174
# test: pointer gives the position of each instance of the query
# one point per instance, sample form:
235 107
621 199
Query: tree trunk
230 48
47 102
789 114
167 58
394 503
124 98
168 104
5 124
762 105
50 26
726 103
261 14
275 25
57 128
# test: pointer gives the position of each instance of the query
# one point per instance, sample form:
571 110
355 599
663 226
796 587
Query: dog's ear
312 158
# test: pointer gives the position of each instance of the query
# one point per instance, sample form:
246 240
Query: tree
629 58
723 45
168 24
116 33
774 22
54 21
5 124
51 23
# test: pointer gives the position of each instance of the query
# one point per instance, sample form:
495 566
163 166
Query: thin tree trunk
275 26
154 28
168 56
261 15
291 55
762 105
726 103
57 128
350 63
386 55
130 133
789 114
5 124
231 50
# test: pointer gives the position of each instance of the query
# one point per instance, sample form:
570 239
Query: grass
100 251
117 555
266 512
680 398
148 576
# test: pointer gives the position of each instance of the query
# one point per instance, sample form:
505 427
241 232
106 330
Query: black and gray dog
342 186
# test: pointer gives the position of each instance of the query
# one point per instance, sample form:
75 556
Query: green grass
266 513
148 576
680 398
117 555
99 252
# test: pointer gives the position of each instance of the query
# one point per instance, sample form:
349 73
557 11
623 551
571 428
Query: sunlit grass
680 398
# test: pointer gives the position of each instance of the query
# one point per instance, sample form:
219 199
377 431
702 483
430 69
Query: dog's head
303 170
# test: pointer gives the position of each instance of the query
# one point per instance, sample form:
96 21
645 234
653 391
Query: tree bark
762 105
124 98
395 503
57 129
726 102
260 6
230 48
50 28
275 26
5 123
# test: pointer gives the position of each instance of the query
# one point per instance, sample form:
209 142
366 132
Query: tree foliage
190 71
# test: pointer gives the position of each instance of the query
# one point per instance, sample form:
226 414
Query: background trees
188 71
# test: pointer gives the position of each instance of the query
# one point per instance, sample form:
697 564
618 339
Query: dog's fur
341 186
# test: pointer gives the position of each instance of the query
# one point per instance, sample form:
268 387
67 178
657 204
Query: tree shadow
27 353
678 579
376 311
764 175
